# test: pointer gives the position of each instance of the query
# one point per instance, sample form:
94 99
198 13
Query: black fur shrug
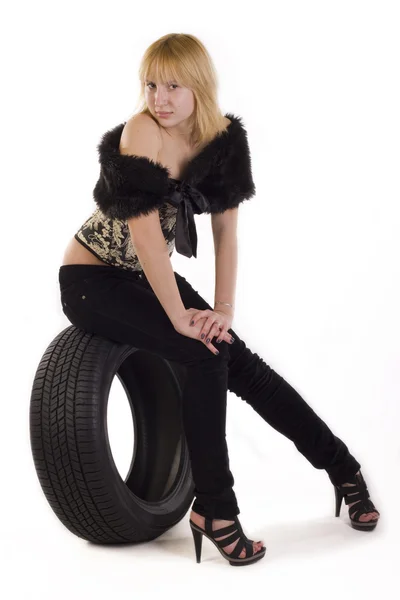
218 178
130 185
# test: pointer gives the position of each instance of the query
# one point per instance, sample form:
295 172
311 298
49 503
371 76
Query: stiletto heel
237 533
198 540
356 493
339 499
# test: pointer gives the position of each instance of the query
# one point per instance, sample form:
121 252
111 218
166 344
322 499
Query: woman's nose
161 99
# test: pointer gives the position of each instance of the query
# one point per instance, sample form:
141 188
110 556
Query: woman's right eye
174 84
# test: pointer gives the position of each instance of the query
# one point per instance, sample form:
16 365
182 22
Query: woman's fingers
201 314
211 328
222 335
212 348
205 330
216 332
228 338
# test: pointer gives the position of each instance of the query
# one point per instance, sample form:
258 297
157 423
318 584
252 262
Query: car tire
71 449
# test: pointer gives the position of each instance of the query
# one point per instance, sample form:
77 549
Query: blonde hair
183 57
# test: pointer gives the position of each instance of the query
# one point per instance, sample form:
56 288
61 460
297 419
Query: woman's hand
226 322
216 324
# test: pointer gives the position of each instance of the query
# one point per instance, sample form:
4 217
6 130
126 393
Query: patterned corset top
110 240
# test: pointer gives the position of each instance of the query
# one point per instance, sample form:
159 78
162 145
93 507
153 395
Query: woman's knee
206 360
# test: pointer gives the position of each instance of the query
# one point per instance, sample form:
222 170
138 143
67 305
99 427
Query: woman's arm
153 256
224 228
140 138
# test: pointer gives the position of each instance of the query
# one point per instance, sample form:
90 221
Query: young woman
179 156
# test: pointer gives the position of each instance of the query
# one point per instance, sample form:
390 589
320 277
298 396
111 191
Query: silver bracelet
219 302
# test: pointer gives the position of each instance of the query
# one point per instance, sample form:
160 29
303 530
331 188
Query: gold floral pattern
110 239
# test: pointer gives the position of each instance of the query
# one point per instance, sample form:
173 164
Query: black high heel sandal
235 529
351 494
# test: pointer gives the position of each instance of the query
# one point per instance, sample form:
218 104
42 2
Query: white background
317 86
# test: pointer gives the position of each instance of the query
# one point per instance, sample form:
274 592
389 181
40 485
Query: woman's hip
124 307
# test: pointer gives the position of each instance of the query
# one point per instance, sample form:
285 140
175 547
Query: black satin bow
189 202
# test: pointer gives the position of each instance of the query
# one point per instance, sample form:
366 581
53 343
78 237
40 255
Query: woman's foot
366 516
218 524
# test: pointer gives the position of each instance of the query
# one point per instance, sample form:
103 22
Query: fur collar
218 178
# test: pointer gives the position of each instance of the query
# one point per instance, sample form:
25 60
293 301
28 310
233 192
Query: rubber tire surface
70 445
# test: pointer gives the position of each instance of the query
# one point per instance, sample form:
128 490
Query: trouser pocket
84 293
79 315
79 301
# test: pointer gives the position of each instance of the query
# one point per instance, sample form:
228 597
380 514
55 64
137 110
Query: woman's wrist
223 309
219 302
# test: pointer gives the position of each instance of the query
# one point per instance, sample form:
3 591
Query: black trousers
122 306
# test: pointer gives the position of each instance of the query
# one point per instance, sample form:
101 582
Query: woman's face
169 97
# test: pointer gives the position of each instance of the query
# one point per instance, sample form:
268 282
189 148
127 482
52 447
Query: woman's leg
119 306
282 407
